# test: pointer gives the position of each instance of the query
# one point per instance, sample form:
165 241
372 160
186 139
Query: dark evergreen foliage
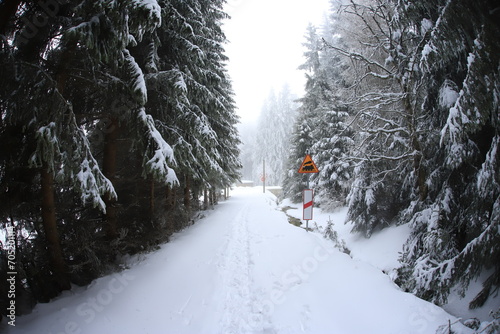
117 115
455 227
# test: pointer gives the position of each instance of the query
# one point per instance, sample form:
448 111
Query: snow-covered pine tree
455 229
78 99
301 137
45 62
190 92
39 58
222 111
104 31
294 183
333 137
332 157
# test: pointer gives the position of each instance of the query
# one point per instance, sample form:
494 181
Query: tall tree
190 89
302 135
333 136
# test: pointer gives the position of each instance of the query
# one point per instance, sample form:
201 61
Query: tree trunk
48 198
152 197
421 177
187 193
168 199
195 196
213 196
419 169
169 205
415 143
56 258
109 170
205 198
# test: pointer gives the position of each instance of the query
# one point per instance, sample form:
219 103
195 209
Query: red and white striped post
307 199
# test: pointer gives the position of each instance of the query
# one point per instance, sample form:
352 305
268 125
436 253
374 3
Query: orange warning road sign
308 166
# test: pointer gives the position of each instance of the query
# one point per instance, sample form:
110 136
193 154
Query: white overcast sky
265 48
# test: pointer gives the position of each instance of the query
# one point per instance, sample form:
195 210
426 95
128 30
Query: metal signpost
308 166
263 177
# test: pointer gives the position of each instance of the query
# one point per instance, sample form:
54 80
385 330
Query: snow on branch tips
158 153
47 147
137 81
93 184
150 13
486 175
359 57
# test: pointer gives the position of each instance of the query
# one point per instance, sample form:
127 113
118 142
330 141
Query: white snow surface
244 269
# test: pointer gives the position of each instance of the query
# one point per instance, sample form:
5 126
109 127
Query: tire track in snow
240 314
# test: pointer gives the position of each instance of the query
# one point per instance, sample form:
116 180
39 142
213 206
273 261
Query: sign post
263 176
308 166
307 199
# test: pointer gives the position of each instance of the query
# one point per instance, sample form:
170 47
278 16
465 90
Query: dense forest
117 118
267 142
118 127
401 116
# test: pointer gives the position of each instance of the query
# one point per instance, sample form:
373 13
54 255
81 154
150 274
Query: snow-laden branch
137 81
158 153
403 156
64 149
442 276
359 57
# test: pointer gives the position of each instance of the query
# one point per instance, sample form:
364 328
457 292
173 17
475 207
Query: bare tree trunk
187 193
205 198
109 170
213 196
152 197
168 208
49 219
195 196
417 158
50 228
168 198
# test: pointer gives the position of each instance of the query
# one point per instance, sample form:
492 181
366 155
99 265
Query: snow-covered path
241 269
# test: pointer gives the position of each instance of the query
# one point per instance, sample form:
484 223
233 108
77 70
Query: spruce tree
64 82
334 137
453 239
302 135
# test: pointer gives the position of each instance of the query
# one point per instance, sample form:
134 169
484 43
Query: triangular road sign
308 166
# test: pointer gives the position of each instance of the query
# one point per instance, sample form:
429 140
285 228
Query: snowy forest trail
241 269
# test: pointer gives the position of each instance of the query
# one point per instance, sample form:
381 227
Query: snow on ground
382 250
245 269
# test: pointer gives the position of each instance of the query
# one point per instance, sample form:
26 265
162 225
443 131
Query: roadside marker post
307 199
